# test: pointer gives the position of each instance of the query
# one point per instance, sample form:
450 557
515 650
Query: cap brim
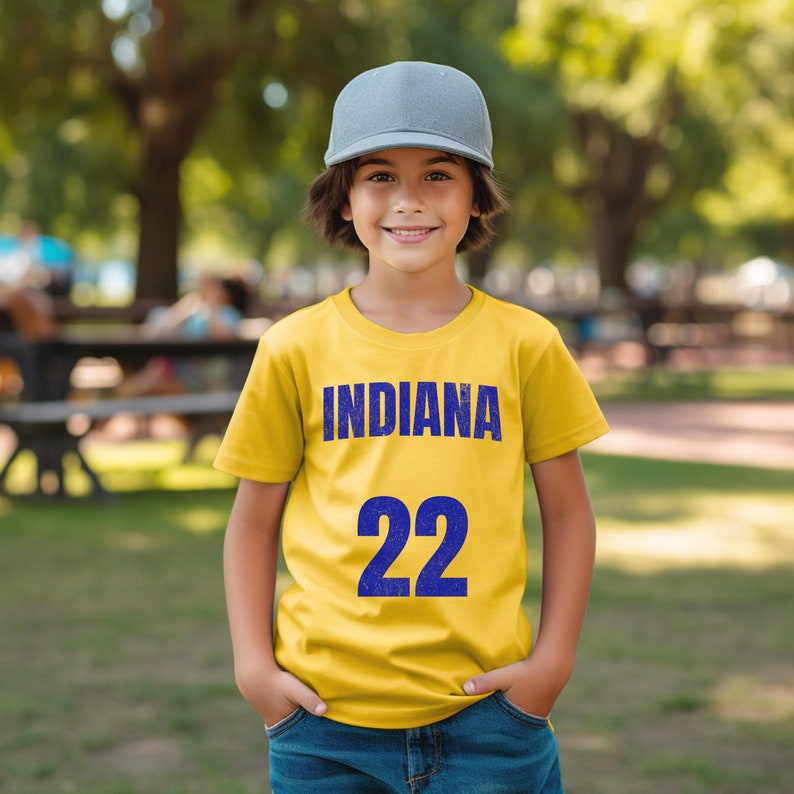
405 140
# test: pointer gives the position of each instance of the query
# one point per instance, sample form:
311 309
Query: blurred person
33 270
26 316
41 261
30 311
213 311
26 287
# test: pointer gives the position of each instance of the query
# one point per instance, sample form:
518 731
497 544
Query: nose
408 199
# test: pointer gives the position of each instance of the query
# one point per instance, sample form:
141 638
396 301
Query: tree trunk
615 198
613 240
167 106
167 122
160 224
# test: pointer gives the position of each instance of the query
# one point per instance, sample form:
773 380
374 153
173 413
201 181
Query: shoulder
518 321
299 326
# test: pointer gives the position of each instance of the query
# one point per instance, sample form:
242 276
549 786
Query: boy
398 415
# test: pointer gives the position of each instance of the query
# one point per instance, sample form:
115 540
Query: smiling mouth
410 232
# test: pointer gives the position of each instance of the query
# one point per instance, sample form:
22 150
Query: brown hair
328 193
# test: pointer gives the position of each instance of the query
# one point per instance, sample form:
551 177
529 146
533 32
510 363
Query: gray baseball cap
411 104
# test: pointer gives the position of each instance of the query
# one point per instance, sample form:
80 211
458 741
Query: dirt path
757 434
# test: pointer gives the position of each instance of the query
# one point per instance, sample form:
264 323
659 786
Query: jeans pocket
283 725
517 713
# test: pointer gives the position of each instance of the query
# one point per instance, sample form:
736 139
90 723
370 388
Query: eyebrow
444 158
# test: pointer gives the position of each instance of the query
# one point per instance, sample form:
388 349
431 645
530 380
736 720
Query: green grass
116 668
729 383
684 682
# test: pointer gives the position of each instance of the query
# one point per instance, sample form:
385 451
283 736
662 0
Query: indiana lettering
411 409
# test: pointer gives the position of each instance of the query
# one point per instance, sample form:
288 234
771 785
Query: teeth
409 232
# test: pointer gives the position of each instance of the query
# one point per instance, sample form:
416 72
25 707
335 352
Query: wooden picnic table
47 364
41 420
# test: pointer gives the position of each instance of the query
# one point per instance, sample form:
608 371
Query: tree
50 110
666 105
187 56
201 149
617 68
168 124
754 102
167 64
165 68
149 56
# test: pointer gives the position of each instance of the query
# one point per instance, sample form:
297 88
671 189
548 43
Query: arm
250 557
168 319
568 558
221 325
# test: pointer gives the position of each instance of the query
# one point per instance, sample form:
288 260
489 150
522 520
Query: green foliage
65 145
708 84
756 104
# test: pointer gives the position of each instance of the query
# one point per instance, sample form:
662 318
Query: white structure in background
764 283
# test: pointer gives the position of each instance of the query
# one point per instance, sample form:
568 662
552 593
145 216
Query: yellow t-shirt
403 530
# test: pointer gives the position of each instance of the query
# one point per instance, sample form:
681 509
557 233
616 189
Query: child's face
411 207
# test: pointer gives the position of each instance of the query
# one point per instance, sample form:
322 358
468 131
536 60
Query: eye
438 176
379 177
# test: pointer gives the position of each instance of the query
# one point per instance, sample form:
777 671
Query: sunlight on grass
742 530
202 520
21 474
194 477
140 454
135 541
125 466
659 514
21 477
157 464
745 698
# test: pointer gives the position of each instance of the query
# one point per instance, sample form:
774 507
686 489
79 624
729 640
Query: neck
411 303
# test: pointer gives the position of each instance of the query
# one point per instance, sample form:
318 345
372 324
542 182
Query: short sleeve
560 411
264 439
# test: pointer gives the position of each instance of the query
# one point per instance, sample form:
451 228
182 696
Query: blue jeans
491 747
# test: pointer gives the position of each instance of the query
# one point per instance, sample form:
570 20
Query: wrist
255 663
250 675
557 667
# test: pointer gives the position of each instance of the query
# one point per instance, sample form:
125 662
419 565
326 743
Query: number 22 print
430 581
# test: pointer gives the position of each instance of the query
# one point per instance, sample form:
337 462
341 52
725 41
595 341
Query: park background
182 134
647 150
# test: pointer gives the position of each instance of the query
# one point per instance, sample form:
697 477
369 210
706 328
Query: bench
42 427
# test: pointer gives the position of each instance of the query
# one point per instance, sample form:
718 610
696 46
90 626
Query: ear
346 213
475 210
